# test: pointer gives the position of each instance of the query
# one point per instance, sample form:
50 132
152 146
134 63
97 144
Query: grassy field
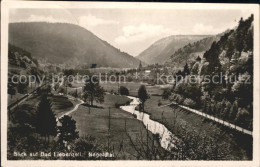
96 124
241 145
60 104
17 96
131 86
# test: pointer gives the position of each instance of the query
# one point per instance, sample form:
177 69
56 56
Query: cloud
50 19
91 21
141 32
202 29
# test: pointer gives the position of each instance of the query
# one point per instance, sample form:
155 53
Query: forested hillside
222 81
162 50
191 51
68 44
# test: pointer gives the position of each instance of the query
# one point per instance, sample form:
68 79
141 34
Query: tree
46 121
11 90
68 73
227 109
36 73
205 107
186 70
75 94
209 109
198 59
140 66
93 91
241 117
56 86
142 95
166 93
233 111
22 87
243 89
67 131
61 90
24 119
123 91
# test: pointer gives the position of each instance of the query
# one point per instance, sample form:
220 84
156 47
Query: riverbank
116 133
170 116
167 139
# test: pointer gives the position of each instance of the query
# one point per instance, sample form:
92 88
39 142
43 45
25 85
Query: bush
190 103
159 103
123 91
166 93
128 103
88 144
177 98
117 105
61 90
242 118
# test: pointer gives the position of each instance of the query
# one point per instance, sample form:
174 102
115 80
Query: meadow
96 124
172 115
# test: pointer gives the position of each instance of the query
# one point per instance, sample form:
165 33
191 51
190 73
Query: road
22 99
227 124
74 109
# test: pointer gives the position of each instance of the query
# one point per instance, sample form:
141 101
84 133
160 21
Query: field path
72 110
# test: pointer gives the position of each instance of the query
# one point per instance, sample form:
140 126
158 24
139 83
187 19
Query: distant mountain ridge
162 50
63 43
191 51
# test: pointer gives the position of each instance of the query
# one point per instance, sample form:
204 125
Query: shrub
159 103
242 117
128 103
166 93
117 105
123 91
189 102
61 90
177 98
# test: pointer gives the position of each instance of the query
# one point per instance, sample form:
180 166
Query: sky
134 30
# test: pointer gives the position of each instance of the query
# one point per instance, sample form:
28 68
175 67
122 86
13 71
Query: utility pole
117 74
162 116
109 118
125 125
108 139
89 108
147 136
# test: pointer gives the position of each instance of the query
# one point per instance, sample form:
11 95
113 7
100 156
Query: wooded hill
229 62
63 43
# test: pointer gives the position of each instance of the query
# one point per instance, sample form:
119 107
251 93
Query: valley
148 115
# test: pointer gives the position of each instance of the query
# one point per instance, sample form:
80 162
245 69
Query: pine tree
209 110
186 70
46 121
67 131
142 95
205 107
76 93
11 90
233 111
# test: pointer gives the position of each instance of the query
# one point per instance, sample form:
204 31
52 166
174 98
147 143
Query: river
167 138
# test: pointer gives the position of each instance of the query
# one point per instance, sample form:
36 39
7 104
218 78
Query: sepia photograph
167 84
